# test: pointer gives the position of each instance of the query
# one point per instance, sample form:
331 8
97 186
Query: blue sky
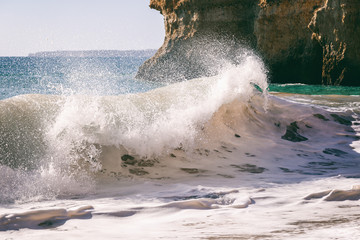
28 26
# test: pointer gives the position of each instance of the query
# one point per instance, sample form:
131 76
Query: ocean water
70 75
89 152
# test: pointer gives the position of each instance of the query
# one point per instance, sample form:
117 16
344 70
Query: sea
87 151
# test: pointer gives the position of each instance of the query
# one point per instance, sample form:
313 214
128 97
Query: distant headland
96 53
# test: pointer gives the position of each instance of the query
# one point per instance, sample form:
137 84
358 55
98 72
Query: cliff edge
300 41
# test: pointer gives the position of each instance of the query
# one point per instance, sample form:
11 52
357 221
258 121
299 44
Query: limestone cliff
199 35
284 40
308 41
335 26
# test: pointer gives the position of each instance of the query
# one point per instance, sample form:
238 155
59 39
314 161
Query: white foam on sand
273 212
241 166
232 189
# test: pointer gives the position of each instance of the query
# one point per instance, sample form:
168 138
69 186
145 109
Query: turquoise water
102 76
314 89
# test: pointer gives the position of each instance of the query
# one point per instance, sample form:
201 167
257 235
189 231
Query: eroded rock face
200 36
284 40
308 41
335 26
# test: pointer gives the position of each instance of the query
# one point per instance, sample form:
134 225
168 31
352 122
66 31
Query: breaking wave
53 146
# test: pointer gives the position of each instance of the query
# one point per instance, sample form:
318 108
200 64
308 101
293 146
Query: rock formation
335 26
307 41
284 40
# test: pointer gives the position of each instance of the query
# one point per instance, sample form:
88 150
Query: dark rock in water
128 159
335 152
286 170
354 137
225 176
47 223
292 134
309 41
323 164
342 119
250 155
320 116
146 163
250 168
138 171
192 170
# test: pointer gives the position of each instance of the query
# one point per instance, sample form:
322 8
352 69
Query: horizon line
79 51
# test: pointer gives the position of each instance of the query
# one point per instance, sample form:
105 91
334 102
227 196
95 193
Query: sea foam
67 145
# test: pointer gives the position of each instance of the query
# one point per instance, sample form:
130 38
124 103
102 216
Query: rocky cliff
335 26
307 41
